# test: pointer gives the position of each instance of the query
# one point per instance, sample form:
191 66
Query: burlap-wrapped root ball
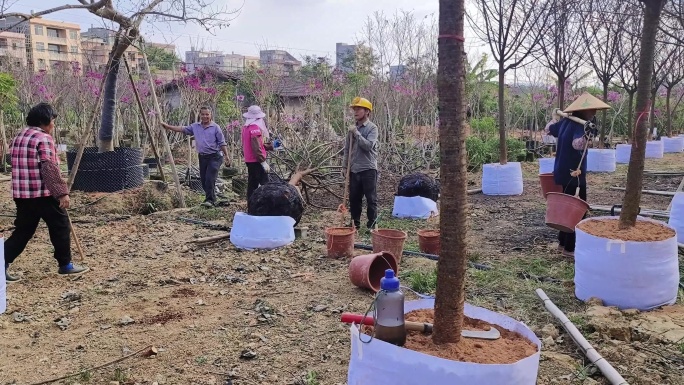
276 199
419 185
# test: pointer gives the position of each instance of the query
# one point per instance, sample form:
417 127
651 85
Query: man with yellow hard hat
363 177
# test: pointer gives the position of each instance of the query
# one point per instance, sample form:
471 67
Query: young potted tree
629 261
511 46
380 362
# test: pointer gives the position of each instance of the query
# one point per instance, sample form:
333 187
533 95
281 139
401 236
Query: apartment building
47 42
351 57
252 62
12 49
217 60
279 62
97 44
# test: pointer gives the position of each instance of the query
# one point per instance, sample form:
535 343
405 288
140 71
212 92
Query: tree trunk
669 114
106 133
503 154
604 116
561 91
451 266
630 109
635 173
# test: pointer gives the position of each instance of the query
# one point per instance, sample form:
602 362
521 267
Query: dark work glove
589 132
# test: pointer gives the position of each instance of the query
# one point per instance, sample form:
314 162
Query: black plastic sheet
419 185
276 199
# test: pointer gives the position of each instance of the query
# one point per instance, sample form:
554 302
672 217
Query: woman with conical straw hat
572 138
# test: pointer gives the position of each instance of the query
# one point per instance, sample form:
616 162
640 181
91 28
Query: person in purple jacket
572 139
211 146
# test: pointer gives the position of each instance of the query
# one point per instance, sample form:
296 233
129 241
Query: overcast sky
302 27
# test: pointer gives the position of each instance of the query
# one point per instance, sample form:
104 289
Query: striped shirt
31 147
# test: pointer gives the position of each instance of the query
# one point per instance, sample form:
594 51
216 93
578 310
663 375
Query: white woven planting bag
379 362
654 149
414 207
626 274
623 153
252 232
601 160
677 216
546 165
673 145
502 179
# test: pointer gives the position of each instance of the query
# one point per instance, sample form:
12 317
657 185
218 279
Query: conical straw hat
587 101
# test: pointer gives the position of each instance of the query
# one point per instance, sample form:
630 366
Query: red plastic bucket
548 184
564 212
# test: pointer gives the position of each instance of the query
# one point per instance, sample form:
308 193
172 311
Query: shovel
491 334
342 208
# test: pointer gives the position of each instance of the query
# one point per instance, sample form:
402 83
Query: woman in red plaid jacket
39 191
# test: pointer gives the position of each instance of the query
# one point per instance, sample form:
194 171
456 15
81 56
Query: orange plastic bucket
429 241
389 240
366 271
340 242
548 184
564 212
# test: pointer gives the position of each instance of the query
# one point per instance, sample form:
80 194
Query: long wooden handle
575 119
369 321
78 242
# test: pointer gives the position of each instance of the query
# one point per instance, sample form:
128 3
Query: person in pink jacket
254 145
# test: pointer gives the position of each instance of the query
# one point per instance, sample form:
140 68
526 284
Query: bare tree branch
513 30
602 31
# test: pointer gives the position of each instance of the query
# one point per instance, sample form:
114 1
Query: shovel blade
491 334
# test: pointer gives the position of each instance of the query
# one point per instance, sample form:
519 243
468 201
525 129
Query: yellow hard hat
361 102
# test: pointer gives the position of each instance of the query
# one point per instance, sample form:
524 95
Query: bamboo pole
664 173
644 212
207 240
144 119
575 119
604 366
651 192
165 139
5 146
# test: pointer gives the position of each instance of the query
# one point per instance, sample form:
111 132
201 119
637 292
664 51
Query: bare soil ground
222 316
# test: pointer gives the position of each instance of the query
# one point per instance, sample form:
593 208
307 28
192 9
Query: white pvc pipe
608 371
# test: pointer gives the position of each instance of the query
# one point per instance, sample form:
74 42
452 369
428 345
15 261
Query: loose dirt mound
511 347
644 231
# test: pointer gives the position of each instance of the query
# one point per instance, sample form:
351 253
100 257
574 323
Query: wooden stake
189 161
143 114
165 139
